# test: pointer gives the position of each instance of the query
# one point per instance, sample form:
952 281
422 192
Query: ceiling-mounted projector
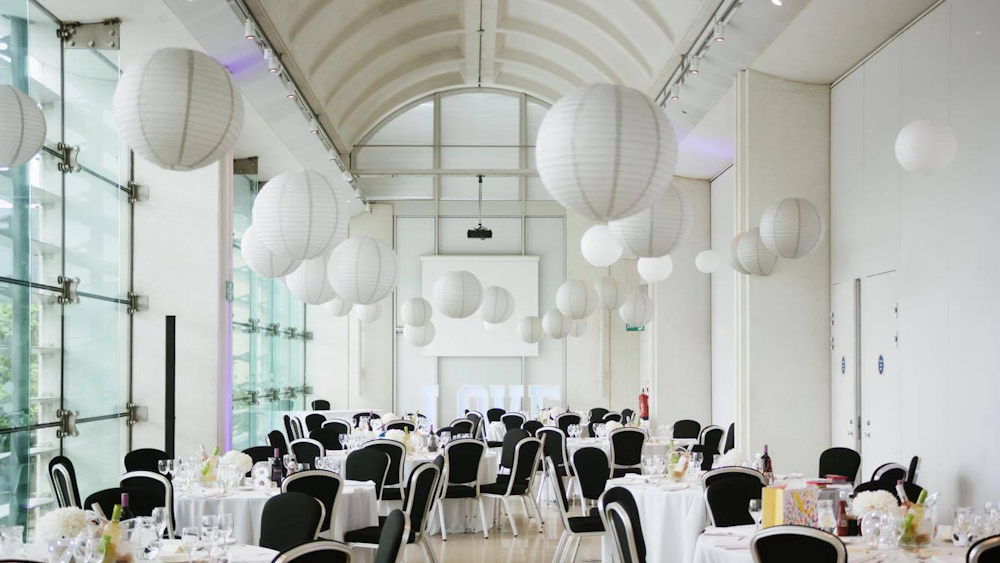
480 232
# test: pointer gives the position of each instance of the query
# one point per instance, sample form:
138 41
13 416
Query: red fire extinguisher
643 405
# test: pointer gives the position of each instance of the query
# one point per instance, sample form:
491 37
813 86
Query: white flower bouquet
61 523
731 458
868 501
612 425
395 434
239 460
389 417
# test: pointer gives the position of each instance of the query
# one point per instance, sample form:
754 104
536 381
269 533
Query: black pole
169 416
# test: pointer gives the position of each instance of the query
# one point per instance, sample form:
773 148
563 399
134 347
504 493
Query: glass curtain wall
64 358
269 339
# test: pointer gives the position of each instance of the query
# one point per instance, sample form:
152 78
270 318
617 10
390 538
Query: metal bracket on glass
252 326
273 329
69 154
290 393
306 389
305 335
69 288
137 303
271 394
105 35
249 398
137 192
136 414
67 424
291 332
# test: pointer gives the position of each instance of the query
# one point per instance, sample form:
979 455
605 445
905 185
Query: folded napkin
668 487
353 483
730 531
732 542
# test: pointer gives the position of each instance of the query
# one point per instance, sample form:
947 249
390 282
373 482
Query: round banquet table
171 552
495 431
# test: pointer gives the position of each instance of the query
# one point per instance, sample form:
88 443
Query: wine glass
342 438
160 519
696 460
93 550
190 536
225 527
161 466
756 508
210 528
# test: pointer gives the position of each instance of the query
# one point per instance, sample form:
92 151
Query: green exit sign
631 328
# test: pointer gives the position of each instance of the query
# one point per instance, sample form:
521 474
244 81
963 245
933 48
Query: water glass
696 460
210 528
161 466
962 526
225 526
159 517
190 536
756 508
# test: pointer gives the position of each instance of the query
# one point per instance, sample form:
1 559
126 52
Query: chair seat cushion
392 493
491 444
364 535
583 524
500 487
460 491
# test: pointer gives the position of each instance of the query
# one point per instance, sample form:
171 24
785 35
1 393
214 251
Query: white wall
937 231
723 321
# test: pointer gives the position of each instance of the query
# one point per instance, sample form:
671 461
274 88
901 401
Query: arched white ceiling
363 59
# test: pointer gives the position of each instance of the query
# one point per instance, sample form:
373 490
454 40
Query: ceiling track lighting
314 126
290 92
249 31
719 32
675 92
693 68
273 65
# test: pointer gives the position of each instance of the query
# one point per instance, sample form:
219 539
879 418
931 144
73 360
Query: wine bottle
126 513
766 467
112 535
277 469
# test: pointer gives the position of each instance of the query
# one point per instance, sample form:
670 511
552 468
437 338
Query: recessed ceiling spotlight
248 30
719 35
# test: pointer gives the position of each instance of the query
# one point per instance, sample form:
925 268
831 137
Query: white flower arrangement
389 417
731 458
60 523
239 460
612 425
868 501
395 434
556 411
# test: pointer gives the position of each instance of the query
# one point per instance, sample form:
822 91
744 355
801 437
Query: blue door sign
843 364
881 364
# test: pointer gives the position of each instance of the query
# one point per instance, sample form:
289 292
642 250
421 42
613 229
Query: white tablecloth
495 431
649 448
671 520
172 552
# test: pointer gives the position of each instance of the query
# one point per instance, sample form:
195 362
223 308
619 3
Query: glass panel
95 357
24 461
495 117
30 329
397 187
31 207
97 219
97 453
244 339
415 126
535 114
394 158
535 189
467 188
473 158
90 122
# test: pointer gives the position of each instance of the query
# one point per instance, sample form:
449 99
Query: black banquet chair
626 450
320 551
620 516
689 429
368 464
554 448
420 493
393 487
140 501
62 479
729 501
840 461
532 427
258 454
462 459
575 528
462 426
339 425
986 550
154 484
494 414
510 440
710 440
290 519
518 483
306 451
276 439
612 417
595 416
513 420
567 419
787 544
320 405
329 436
592 470
395 532
144 459
730 439
314 421
401 425
324 486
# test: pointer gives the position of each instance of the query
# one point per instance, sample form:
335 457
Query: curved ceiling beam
654 15
308 11
418 90
513 26
531 59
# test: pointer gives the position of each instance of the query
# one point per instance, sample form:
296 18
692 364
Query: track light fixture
290 92
313 126
675 91
273 65
693 68
248 30
719 32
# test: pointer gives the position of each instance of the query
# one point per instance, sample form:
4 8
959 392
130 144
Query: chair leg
576 550
482 516
444 529
559 547
510 516
568 550
427 550
533 508
541 486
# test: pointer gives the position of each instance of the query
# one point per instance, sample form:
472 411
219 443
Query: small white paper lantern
637 309
655 269
416 311
179 109
23 131
419 336
529 330
734 259
610 294
363 270
753 255
339 307
658 230
298 214
606 151
791 228
309 282
599 248
707 261
579 328
261 260
369 313
497 306
576 299
925 148
556 325
457 294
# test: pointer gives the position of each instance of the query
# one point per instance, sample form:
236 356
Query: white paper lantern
363 270
579 328
599 248
339 307
610 294
299 214
753 255
262 260
457 294
576 299
655 269
658 230
179 109
707 261
925 148
606 151
369 313
309 282
419 336
529 329
497 306
791 228
23 131
734 259
556 325
416 311
637 309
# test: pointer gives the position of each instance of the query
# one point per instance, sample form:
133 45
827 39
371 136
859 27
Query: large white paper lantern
734 259
262 260
925 148
637 309
753 255
655 269
576 299
369 313
610 293
497 306
579 328
707 261
599 248
298 214
419 336
416 311
791 227
658 230
309 282
363 270
23 131
606 151
457 294
179 109
530 330
556 325
339 307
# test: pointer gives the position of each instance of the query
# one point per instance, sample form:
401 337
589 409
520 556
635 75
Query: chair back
620 516
314 421
397 459
461 461
729 501
710 440
401 425
289 432
368 464
626 450
532 427
986 550
319 551
686 429
371 416
592 470
320 405
597 414
448 429
612 417
494 414
297 431
730 438
307 450
421 490
461 426
324 486
155 484
526 454
554 445
780 544
513 420
726 473
510 440
567 419
395 533
840 461
258 454
62 479
277 440
911 471
558 491
338 424
144 459
627 415
329 436
477 423
140 501
290 519
891 472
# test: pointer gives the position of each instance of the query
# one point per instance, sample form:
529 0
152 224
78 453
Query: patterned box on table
800 506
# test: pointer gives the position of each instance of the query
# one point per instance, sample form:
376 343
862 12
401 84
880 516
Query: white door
880 378
843 371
